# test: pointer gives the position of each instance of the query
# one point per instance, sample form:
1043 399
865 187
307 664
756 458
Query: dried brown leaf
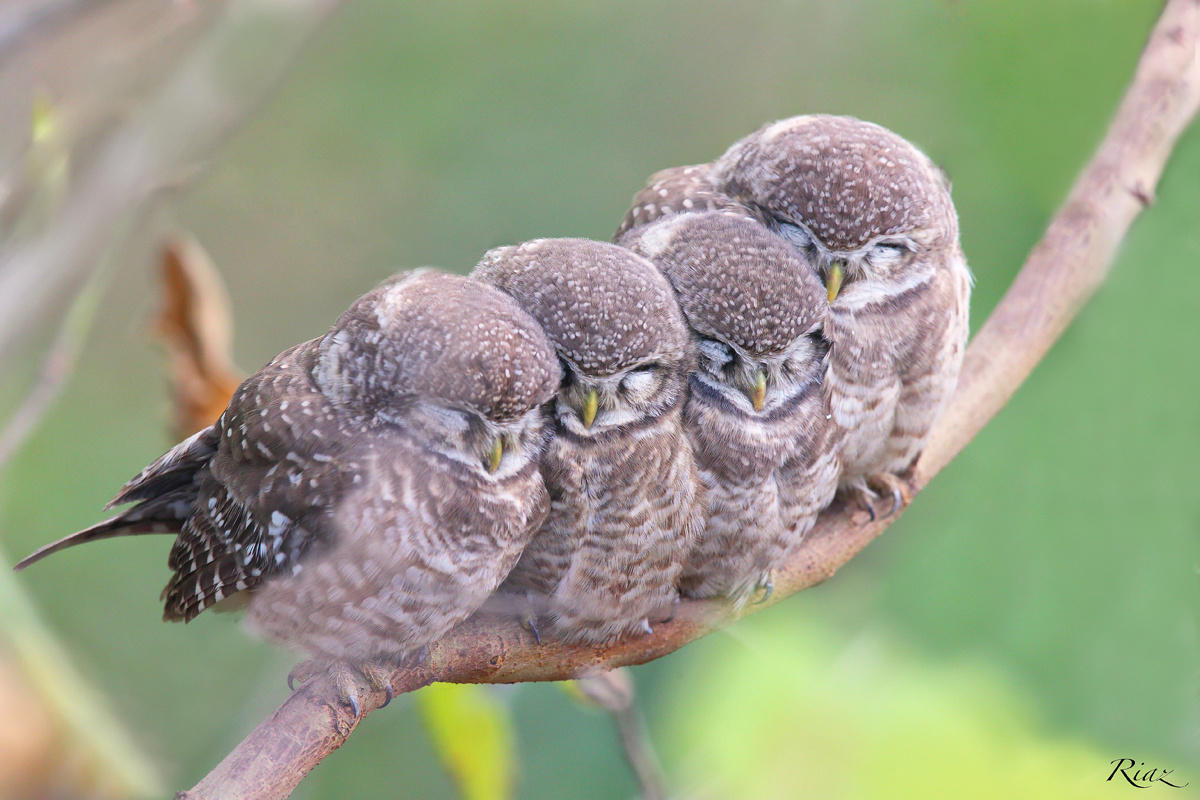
197 326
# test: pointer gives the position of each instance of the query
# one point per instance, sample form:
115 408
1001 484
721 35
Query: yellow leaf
473 736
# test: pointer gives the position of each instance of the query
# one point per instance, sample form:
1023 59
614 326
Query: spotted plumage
874 215
678 190
367 489
619 470
755 414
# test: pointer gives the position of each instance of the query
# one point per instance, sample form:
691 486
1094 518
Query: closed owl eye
639 382
887 254
715 354
796 236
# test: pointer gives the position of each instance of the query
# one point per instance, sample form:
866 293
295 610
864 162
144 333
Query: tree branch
1063 271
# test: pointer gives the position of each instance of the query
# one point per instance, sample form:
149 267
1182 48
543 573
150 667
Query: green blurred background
1030 619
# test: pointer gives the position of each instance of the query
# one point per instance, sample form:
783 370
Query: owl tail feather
161 515
175 468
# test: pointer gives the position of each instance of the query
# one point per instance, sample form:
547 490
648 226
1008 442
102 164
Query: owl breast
417 552
764 479
623 507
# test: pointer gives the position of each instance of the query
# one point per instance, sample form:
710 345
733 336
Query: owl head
754 306
677 190
447 357
613 320
863 204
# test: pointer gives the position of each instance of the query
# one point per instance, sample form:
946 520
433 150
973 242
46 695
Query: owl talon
348 680
885 483
302 673
531 624
767 585
646 629
872 489
671 614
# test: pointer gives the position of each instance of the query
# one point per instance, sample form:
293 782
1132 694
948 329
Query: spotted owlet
367 489
874 215
619 470
766 450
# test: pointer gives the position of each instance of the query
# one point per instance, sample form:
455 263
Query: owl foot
885 483
351 682
646 628
873 488
531 623
766 585
670 612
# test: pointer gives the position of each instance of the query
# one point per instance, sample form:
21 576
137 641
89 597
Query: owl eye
639 382
796 236
886 254
716 355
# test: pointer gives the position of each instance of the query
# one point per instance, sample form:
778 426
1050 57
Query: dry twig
196 110
1061 274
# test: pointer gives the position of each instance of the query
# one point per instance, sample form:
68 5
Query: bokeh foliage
1036 608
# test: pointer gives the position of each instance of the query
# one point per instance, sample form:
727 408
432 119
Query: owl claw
302 673
873 488
531 624
886 483
767 585
671 614
348 680
646 629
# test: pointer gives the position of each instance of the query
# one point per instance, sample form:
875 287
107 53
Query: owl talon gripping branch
767 586
874 488
350 681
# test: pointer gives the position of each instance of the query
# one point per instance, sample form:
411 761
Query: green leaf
473 735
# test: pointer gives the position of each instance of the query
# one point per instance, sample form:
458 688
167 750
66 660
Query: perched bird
620 474
874 215
365 490
755 414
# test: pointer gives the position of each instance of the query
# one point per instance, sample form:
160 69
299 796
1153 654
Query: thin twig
639 753
196 110
58 366
613 691
1060 275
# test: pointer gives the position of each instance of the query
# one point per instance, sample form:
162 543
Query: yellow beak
834 284
591 403
758 394
496 454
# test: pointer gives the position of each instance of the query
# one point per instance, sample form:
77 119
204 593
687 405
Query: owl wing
264 499
547 557
930 366
420 547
